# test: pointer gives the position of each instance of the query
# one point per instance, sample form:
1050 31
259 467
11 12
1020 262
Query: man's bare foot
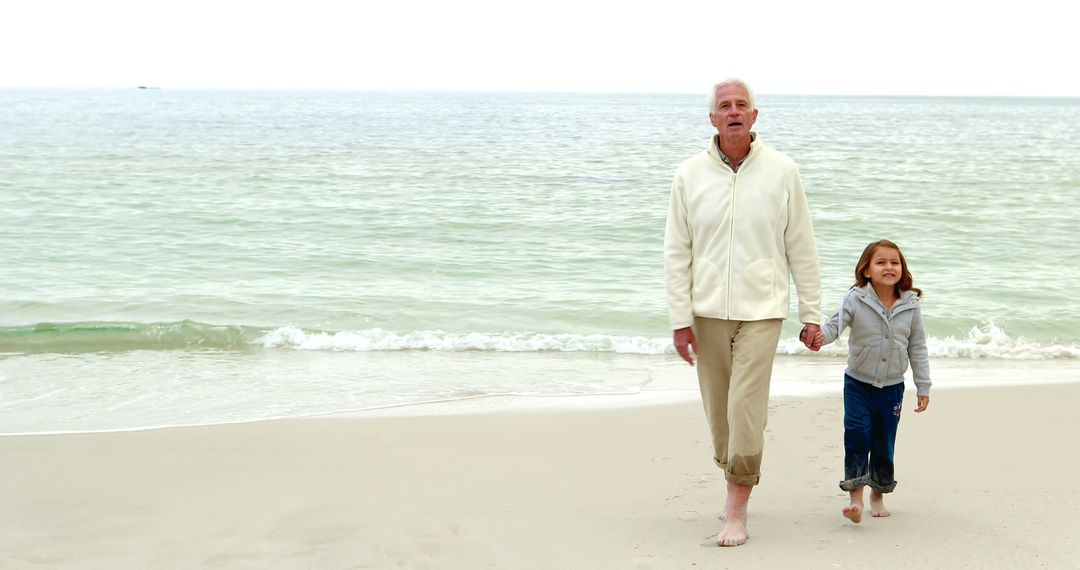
727 508
877 504
853 512
734 533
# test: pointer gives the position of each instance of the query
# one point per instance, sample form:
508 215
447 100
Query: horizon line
511 91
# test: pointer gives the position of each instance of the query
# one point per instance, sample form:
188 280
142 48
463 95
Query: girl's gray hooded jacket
882 341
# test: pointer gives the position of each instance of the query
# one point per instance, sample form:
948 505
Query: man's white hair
730 81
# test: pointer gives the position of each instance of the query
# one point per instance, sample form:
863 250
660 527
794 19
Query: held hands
921 403
812 336
684 342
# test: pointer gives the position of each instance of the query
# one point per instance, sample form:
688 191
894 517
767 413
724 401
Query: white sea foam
990 341
985 341
380 340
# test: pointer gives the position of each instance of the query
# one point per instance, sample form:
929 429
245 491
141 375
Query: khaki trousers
734 366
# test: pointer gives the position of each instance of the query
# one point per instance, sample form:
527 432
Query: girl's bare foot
877 504
853 512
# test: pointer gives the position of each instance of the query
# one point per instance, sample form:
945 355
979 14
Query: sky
841 47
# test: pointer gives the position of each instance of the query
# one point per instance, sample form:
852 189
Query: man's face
733 115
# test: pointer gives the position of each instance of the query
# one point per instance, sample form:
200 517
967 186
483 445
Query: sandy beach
984 482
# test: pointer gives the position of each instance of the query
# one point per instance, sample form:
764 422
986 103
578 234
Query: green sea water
155 235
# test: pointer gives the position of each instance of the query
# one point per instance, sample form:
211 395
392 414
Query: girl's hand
921 403
812 337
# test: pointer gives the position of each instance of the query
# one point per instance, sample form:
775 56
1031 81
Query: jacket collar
714 148
907 300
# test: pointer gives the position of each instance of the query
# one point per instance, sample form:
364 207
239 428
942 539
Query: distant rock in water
145 87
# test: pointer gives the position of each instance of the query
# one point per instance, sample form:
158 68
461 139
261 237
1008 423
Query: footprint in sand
690 516
707 478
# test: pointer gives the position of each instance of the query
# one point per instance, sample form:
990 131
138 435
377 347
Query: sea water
190 257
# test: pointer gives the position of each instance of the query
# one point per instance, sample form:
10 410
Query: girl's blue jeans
871 415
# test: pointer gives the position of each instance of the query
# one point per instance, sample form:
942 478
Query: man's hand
921 403
684 343
812 336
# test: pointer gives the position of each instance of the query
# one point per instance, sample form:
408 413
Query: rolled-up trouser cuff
738 479
854 484
883 488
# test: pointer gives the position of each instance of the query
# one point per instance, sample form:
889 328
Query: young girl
882 311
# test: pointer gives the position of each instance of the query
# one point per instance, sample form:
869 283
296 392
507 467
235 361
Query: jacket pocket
898 364
709 289
863 355
756 288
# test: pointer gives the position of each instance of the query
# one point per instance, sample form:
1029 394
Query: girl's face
885 268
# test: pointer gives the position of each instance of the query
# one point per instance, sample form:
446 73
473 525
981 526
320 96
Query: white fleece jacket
735 240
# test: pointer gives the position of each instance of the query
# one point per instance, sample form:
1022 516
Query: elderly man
738 230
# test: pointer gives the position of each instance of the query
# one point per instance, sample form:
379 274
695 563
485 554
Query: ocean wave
123 336
984 341
380 340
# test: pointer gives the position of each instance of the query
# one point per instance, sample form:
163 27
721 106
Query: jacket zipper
731 242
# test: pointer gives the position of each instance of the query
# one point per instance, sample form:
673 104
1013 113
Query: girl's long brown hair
906 282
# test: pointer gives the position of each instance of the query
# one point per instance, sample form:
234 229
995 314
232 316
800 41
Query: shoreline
619 382
667 381
982 483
